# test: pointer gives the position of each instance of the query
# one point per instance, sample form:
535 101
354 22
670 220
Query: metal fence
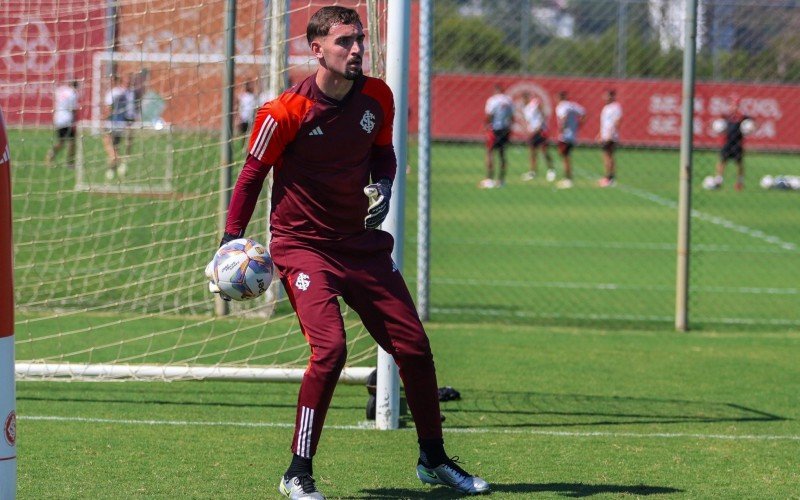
526 252
531 252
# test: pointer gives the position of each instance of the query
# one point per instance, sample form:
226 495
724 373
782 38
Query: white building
668 18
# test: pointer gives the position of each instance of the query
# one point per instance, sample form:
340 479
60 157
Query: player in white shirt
65 107
499 111
247 110
610 119
571 116
536 121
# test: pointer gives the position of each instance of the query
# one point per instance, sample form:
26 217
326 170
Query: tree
469 44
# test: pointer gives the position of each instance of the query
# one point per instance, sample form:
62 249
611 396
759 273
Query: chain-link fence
529 251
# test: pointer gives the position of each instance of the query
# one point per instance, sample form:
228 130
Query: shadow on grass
475 409
193 394
486 409
571 490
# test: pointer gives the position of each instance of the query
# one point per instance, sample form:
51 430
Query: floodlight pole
387 410
685 183
8 415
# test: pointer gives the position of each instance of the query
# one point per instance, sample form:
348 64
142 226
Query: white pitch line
611 286
368 426
713 219
599 317
593 245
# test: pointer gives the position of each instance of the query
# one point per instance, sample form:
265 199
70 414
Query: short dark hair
321 22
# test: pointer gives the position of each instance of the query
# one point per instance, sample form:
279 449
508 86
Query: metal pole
398 29
278 48
685 183
424 159
226 132
524 34
622 34
112 34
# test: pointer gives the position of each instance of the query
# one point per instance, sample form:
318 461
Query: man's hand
379 194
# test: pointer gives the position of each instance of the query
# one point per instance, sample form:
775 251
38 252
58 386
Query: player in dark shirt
327 138
732 147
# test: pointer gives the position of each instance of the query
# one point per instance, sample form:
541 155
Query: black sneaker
450 474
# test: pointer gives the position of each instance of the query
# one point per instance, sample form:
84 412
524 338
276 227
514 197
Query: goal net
109 267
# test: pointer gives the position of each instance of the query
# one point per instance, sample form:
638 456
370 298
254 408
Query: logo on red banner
10 428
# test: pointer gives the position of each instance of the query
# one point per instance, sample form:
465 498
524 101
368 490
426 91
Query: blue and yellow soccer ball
242 269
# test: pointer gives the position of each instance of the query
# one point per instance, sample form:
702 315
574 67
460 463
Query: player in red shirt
327 138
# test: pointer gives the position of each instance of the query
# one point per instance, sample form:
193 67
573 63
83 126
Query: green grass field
545 413
551 312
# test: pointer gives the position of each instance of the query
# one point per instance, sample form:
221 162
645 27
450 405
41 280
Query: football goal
109 267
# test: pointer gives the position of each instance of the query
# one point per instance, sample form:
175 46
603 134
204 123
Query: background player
246 109
134 95
65 107
328 137
499 111
732 146
610 119
571 116
117 103
536 120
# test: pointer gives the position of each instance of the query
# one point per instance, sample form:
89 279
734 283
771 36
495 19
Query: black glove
379 194
226 237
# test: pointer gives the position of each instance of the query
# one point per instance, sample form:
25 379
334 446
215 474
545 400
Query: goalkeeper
328 139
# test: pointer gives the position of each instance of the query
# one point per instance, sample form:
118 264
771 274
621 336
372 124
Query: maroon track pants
373 287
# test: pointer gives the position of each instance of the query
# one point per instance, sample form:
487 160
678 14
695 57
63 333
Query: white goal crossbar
68 371
102 57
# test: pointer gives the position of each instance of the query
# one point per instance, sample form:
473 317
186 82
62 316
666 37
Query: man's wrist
226 237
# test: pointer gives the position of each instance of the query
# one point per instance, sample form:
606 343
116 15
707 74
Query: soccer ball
719 125
710 182
242 269
748 126
767 182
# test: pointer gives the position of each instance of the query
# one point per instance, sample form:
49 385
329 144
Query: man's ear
316 49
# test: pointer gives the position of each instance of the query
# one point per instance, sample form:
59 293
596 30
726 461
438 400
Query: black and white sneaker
300 488
450 474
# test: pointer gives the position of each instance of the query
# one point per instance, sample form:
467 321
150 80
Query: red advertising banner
651 108
52 41
48 42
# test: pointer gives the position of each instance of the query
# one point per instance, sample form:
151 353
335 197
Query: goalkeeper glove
226 237
379 194
212 285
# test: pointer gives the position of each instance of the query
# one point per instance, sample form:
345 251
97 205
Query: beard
352 74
